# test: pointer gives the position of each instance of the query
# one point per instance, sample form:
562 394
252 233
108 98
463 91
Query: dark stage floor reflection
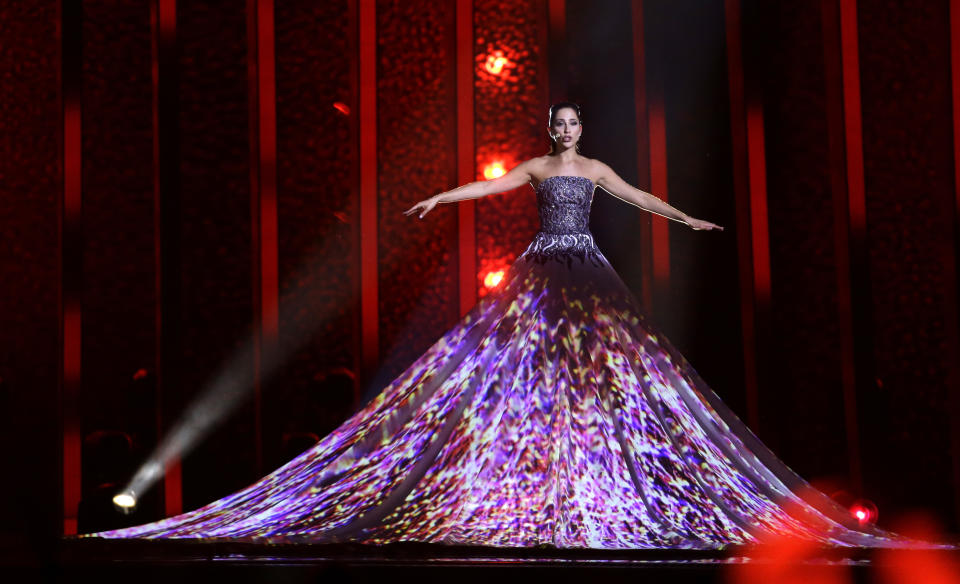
195 560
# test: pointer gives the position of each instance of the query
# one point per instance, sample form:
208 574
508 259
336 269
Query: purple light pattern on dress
552 414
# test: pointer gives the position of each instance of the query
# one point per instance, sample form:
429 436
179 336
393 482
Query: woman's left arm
619 188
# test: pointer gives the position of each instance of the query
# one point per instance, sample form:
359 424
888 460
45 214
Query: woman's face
566 127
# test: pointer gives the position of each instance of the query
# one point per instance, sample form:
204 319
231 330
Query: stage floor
193 561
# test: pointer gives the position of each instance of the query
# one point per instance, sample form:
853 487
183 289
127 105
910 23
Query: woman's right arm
517 177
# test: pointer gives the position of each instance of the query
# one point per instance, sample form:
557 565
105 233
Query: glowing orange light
493 170
493 278
496 62
342 107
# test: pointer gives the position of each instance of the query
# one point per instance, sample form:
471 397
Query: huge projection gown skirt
552 414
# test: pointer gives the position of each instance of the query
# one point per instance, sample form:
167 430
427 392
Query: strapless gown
552 414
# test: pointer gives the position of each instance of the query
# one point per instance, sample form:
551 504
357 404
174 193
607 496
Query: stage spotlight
493 278
231 385
496 62
342 107
493 170
864 512
125 502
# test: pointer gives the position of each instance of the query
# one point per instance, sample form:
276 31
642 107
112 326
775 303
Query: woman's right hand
423 207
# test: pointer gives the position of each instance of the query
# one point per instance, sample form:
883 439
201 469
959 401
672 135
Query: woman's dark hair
553 114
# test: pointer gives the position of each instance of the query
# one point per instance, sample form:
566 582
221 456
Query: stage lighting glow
496 61
493 170
864 511
125 502
493 278
342 107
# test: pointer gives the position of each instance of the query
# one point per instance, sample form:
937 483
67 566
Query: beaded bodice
564 204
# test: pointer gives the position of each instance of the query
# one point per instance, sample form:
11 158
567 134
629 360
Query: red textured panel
31 185
216 246
119 282
511 121
905 72
317 196
416 91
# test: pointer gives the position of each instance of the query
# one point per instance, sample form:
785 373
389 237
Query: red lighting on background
493 170
493 279
496 61
140 374
342 107
864 511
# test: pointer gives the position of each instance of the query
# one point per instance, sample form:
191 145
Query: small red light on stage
139 374
495 63
864 511
493 279
342 107
493 170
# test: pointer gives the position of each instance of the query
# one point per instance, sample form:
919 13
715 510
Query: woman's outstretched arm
619 188
517 177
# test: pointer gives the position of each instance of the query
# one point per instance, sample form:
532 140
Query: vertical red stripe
856 191
367 65
657 145
853 126
466 157
270 286
164 26
760 232
557 10
742 186
263 202
953 300
643 145
955 85
754 356
557 47
842 79
71 266
659 228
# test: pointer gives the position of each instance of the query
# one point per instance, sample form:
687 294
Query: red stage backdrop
838 118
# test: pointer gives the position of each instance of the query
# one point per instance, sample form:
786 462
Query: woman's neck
566 156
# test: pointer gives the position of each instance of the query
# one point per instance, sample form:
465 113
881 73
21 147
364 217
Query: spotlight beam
234 383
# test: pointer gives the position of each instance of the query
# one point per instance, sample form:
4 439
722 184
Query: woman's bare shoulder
535 166
595 165
537 162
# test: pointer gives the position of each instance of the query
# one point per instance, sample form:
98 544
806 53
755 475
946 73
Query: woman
563 160
552 414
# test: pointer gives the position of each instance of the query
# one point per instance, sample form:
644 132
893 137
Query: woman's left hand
701 225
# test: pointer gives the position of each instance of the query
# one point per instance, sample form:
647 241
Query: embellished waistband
563 247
